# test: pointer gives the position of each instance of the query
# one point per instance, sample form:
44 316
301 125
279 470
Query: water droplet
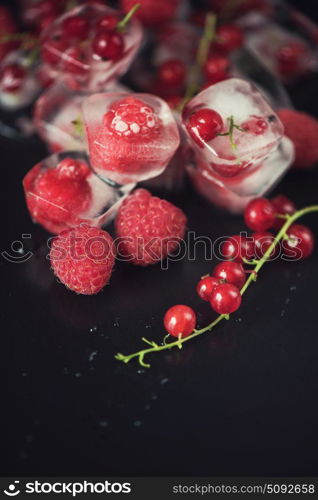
164 381
92 355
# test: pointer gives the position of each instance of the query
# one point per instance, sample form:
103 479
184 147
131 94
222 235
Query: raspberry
302 129
131 118
152 12
83 258
149 228
57 197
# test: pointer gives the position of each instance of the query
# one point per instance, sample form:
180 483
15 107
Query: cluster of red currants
223 289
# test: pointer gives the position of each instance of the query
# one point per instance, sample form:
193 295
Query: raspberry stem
154 347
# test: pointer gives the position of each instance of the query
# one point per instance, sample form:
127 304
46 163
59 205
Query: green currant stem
253 276
122 24
201 57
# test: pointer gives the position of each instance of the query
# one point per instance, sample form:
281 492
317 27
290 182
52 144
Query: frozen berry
152 12
204 125
237 248
74 61
230 272
255 125
12 77
131 118
52 50
108 44
149 228
216 68
283 206
259 214
75 27
262 242
225 298
109 22
180 321
302 129
205 287
83 258
300 242
172 73
290 58
69 168
229 37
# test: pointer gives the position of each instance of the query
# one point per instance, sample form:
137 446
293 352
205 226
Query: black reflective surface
239 401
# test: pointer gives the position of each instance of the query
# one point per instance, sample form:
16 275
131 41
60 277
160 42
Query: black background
239 401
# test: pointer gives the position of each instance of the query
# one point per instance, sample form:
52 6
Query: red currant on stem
11 78
108 44
206 286
238 248
230 272
255 125
75 27
109 22
229 37
179 321
262 242
299 243
204 125
172 73
259 214
225 298
216 68
283 206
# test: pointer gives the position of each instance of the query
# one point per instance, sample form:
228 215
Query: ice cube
130 138
248 129
74 58
233 194
62 191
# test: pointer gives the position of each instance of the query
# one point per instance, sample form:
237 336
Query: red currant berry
216 68
75 27
225 298
231 272
259 214
237 248
74 60
11 78
229 37
300 243
289 58
172 73
108 44
204 125
262 242
206 286
53 50
284 206
255 125
180 321
108 22
173 101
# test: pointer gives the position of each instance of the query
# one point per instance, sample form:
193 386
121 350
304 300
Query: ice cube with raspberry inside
130 137
62 191
88 48
232 127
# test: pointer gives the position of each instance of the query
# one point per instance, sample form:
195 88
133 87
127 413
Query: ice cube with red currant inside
283 52
62 191
232 127
130 137
18 83
89 47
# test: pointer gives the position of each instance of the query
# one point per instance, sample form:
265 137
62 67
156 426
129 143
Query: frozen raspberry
302 129
152 12
57 197
83 258
131 118
149 228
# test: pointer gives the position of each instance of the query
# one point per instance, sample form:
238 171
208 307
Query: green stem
122 24
252 278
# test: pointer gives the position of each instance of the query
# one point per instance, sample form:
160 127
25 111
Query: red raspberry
56 197
302 129
152 12
131 118
83 258
150 228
